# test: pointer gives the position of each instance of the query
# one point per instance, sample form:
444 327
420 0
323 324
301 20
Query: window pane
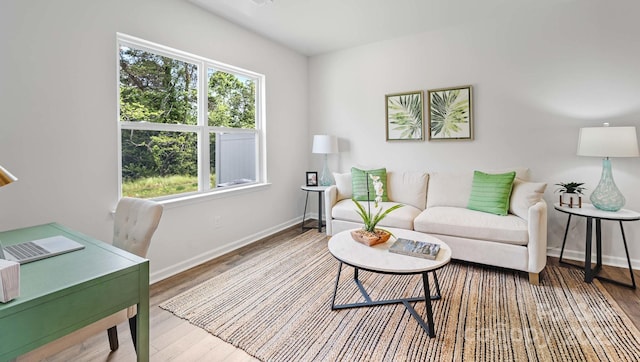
163 126
158 163
154 88
235 158
231 100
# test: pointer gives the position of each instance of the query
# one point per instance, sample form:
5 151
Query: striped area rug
276 307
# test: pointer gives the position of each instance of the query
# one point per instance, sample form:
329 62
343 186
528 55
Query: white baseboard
313 215
606 259
190 263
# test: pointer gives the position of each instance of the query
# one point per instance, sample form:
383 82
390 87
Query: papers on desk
9 280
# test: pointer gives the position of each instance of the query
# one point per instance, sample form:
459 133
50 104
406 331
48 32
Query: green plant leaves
571 187
370 221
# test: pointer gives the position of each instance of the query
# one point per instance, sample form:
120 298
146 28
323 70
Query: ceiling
314 27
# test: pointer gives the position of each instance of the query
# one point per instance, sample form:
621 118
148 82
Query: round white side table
320 191
591 213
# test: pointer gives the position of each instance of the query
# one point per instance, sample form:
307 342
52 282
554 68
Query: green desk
64 293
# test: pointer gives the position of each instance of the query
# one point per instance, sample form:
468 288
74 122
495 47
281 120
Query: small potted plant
369 234
570 193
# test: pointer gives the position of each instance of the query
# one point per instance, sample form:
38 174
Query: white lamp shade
608 142
325 144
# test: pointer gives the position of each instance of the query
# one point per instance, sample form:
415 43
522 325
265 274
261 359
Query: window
187 125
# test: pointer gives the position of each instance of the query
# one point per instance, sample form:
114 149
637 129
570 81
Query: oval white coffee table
378 259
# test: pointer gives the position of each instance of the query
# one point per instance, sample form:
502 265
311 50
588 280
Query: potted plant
369 234
570 193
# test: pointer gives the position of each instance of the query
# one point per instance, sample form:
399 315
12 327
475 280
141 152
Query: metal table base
427 298
589 272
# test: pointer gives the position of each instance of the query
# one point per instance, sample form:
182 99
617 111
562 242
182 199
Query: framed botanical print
404 116
450 113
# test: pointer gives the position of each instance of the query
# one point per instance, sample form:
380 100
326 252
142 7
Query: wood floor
173 339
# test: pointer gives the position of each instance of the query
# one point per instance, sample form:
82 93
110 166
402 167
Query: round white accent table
590 212
320 190
378 259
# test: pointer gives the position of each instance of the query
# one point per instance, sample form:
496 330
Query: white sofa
436 204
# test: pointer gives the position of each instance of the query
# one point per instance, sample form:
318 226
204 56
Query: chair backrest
135 222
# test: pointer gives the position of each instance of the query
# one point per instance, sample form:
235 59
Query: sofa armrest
330 199
537 237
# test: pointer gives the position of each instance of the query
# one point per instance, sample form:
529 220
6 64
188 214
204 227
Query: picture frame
312 178
450 113
405 116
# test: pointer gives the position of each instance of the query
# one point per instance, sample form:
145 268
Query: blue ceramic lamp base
326 178
606 195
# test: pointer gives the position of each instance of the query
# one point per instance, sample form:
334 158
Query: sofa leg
534 278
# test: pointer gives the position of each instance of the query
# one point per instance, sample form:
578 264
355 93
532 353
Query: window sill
180 201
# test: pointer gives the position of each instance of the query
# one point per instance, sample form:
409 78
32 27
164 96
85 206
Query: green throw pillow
490 192
359 179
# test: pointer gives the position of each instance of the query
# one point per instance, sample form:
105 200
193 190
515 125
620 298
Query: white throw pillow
343 184
524 195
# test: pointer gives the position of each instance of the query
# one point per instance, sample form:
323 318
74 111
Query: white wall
537 77
58 122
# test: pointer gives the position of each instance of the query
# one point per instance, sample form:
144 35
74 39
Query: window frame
202 128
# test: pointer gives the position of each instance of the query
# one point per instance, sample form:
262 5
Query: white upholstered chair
135 221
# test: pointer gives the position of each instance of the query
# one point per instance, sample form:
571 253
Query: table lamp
607 142
6 177
325 144
9 270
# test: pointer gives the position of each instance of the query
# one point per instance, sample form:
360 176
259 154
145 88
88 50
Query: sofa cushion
360 179
524 195
446 220
343 185
449 189
409 188
454 188
399 218
490 192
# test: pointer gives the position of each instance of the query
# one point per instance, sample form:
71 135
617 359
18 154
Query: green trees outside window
164 143
231 100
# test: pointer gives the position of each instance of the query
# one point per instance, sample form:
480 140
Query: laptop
29 251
